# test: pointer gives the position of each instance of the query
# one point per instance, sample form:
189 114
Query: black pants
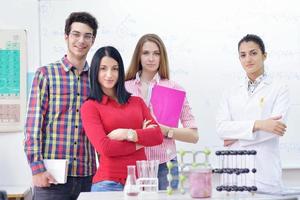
68 191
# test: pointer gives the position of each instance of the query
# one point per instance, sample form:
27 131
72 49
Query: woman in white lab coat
252 114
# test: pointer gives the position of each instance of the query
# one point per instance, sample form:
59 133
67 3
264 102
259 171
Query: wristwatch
170 133
130 135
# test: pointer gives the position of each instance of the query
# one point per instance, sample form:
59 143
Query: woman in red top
117 124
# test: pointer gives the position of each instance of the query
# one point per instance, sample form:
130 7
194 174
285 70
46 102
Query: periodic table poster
13 63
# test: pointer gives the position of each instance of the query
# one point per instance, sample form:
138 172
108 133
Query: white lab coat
235 120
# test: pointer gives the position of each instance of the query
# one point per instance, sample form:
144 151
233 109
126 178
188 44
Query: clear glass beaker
200 182
131 188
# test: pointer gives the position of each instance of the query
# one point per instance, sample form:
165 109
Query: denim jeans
67 191
162 175
105 186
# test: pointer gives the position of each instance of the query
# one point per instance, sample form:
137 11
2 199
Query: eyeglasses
87 37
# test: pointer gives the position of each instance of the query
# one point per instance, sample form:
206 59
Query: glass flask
131 188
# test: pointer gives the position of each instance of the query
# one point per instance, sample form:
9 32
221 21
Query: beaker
200 182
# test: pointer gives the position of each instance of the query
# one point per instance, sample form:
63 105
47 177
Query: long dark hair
96 92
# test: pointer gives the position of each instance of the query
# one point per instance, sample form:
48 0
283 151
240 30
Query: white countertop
176 196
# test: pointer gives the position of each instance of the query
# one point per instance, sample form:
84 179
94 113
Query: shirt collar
68 65
257 81
252 85
155 79
106 99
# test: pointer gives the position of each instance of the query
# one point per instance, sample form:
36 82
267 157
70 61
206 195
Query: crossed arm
271 125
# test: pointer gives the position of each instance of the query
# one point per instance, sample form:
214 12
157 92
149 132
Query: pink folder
167 105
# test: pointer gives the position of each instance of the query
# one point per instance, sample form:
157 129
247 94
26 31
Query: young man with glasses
53 127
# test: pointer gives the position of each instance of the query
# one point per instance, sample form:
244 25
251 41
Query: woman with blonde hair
149 67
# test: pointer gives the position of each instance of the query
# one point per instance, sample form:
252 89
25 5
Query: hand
272 125
138 146
146 124
229 142
164 129
118 134
43 179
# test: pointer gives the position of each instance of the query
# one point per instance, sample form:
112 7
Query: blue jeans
67 191
162 175
105 186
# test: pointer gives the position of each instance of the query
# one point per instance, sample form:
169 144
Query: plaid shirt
53 126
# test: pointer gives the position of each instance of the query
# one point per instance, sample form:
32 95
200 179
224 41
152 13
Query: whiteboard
201 38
